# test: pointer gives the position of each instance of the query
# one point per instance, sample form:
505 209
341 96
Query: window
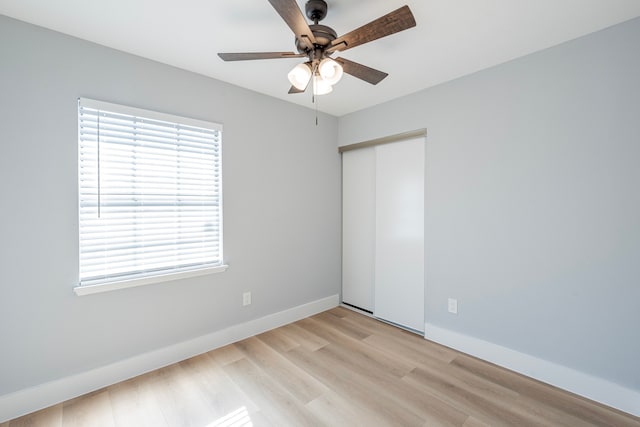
150 196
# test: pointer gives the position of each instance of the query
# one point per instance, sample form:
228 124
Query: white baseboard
41 396
577 382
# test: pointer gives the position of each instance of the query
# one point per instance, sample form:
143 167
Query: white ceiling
452 37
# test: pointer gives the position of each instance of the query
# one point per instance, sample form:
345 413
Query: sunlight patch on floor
238 418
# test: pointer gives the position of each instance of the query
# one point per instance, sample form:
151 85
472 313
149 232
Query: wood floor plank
180 401
366 371
225 355
479 385
338 378
373 325
389 336
352 330
279 339
304 338
392 364
588 411
495 410
337 368
473 422
276 403
416 352
256 419
333 409
299 383
337 311
222 395
93 410
364 367
379 327
48 417
553 415
134 404
241 417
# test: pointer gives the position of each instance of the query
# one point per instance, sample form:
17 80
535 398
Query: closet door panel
399 233
358 227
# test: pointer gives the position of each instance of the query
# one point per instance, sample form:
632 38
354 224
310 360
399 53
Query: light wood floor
337 368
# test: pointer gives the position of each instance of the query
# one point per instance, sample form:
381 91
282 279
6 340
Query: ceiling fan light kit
330 71
319 42
300 76
321 86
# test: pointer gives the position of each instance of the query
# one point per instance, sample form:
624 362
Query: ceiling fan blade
247 56
292 15
362 72
391 23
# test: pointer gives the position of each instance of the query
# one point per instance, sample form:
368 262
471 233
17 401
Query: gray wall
281 200
533 201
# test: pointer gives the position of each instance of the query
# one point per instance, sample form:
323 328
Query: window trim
124 284
89 289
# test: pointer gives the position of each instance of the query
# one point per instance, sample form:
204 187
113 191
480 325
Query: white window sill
106 287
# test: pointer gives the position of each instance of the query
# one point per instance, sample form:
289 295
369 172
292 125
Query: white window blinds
150 193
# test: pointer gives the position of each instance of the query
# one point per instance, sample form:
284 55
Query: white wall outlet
453 306
246 298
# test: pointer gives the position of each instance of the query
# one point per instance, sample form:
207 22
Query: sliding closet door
399 233
358 227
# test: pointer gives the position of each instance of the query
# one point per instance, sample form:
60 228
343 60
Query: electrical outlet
453 306
246 298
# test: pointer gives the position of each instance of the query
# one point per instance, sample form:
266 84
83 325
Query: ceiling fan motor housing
324 36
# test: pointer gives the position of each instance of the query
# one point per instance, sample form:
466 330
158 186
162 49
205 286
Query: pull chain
314 90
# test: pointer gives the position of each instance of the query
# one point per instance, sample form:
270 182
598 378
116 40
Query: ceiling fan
319 42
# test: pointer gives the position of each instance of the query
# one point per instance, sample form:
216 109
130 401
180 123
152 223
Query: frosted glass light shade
321 86
330 71
300 75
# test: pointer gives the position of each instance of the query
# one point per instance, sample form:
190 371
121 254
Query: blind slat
150 194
